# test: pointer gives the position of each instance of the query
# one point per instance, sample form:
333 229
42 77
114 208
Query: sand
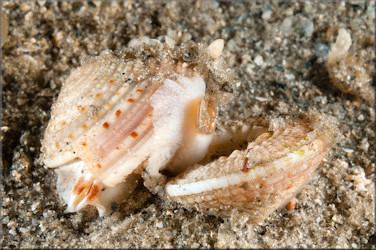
276 50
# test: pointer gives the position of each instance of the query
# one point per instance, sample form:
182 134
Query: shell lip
303 154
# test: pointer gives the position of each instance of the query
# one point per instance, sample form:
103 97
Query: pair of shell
151 109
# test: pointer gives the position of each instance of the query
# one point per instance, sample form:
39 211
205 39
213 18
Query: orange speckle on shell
84 127
130 100
118 112
108 105
245 169
291 204
93 192
134 134
63 123
106 125
117 147
98 95
83 144
289 186
79 187
57 145
71 136
140 90
111 81
83 109
99 165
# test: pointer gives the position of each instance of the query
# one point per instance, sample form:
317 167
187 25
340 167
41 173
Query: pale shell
144 108
264 176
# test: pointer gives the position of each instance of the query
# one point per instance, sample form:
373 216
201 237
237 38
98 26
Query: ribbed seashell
146 107
265 175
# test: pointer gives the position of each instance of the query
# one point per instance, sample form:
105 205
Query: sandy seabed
277 50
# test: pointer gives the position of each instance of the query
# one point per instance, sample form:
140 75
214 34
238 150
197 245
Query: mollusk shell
120 113
264 176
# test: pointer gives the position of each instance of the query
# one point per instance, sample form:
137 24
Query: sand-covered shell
148 107
263 176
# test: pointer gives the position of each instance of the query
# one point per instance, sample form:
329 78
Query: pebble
321 50
289 77
266 14
286 25
364 144
58 37
215 48
35 206
337 218
195 245
25 7
259 61
306 27
12 232
159 224
348 150
246 58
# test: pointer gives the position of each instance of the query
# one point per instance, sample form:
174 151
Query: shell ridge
104 140
118 158
277 166
76 81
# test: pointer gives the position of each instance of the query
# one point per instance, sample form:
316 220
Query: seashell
151 109
144 108
265 175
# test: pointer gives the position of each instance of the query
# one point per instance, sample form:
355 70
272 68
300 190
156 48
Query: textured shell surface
265 175
152 107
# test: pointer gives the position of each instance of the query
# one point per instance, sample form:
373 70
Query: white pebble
266 14
215 48
259 61
169 41
342 44
159 224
